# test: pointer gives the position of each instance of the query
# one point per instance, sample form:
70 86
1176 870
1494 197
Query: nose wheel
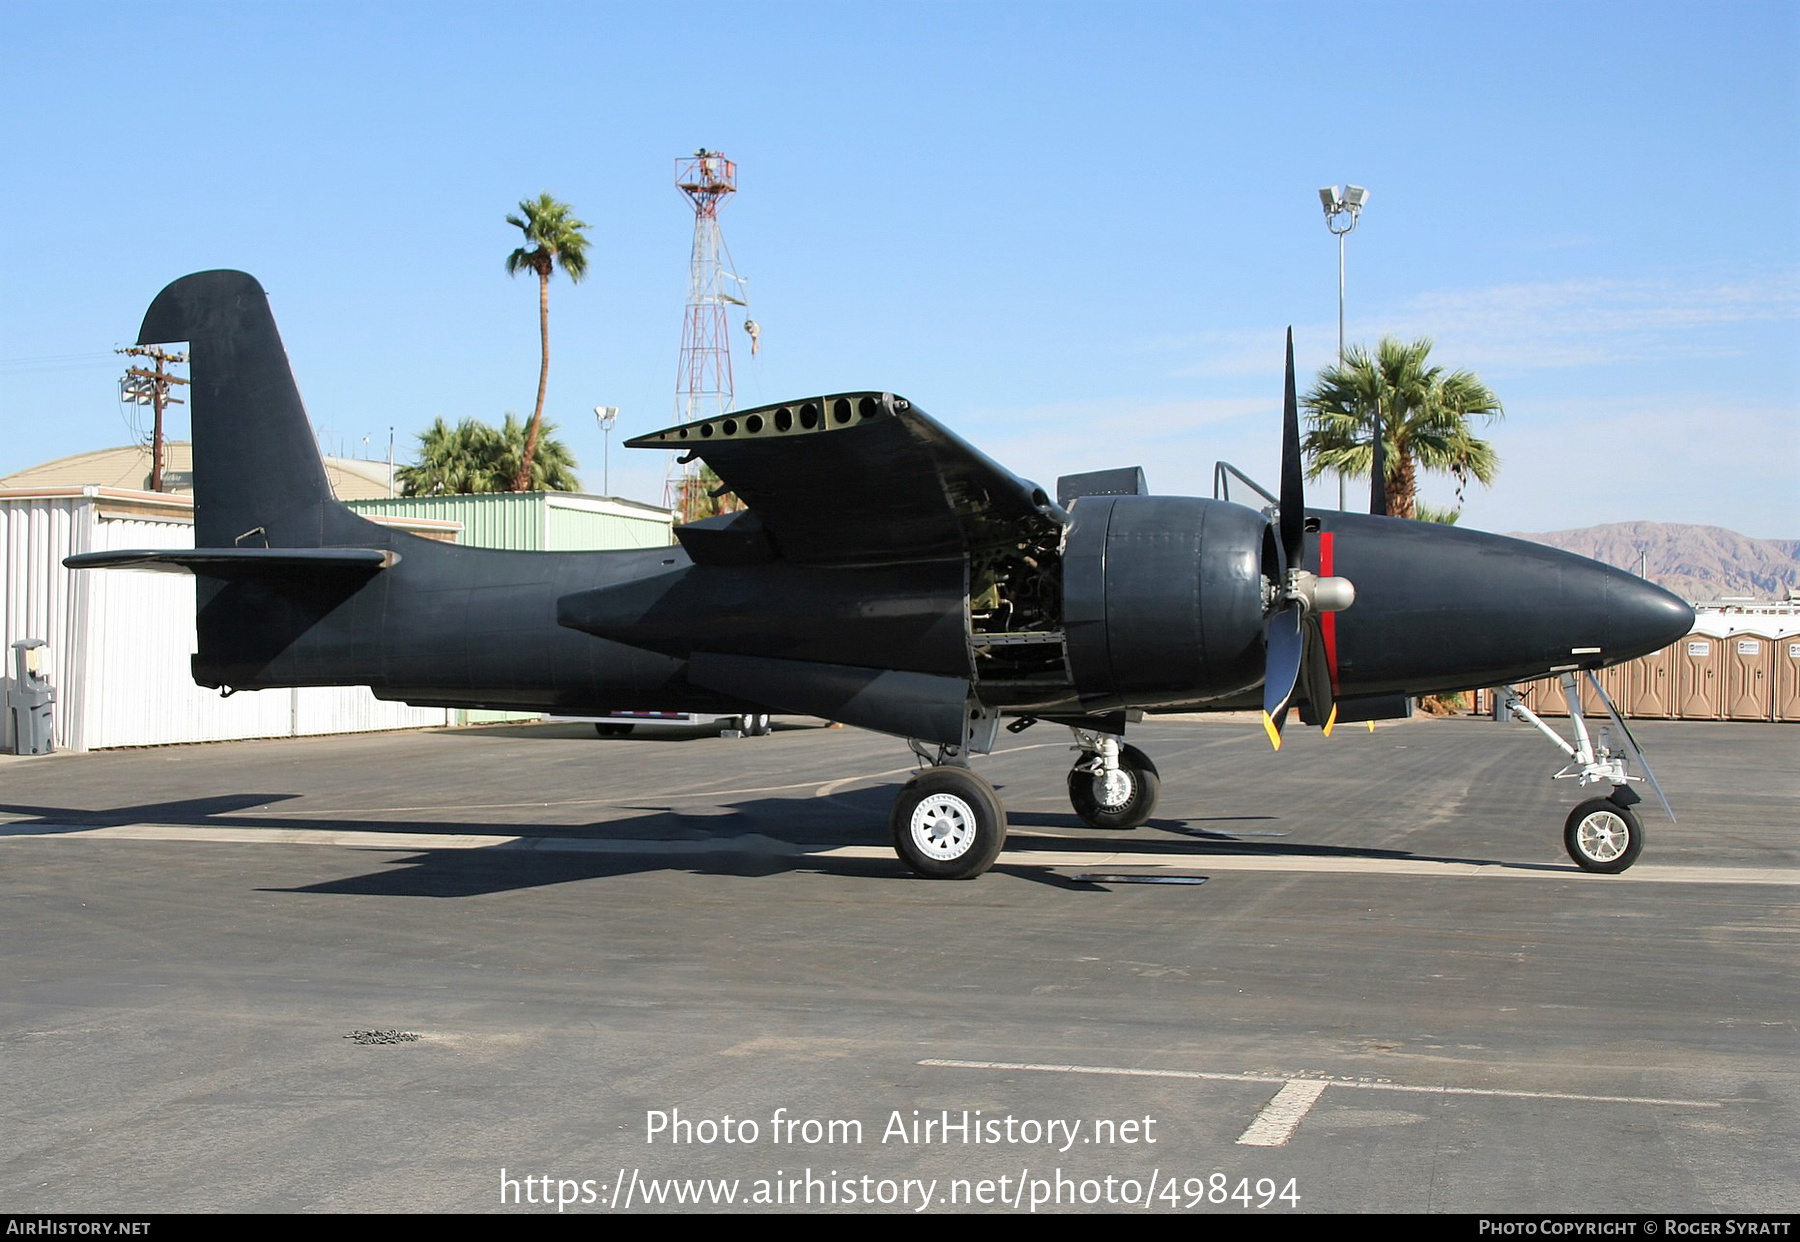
1603 836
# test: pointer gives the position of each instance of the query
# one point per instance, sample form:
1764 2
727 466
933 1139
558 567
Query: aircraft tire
948 824
1138 806
1603 836
603 729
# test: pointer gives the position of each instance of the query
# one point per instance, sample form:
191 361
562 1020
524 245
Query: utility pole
142 387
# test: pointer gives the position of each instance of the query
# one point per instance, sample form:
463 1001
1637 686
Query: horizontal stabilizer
238 563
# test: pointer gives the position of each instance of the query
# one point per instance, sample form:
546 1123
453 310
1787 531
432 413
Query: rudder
258 478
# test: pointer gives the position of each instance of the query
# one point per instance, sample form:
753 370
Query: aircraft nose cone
1642 617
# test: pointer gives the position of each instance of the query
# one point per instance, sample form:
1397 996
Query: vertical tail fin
258 477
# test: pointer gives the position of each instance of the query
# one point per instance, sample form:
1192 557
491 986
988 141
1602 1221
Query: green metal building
537 521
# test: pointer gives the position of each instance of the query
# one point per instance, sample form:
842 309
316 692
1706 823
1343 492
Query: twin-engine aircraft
885 574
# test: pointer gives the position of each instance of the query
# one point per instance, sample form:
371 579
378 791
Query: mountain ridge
1695 562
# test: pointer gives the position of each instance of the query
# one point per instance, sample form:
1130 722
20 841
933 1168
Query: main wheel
1126 810
757 726
948 824
604 729
1603 836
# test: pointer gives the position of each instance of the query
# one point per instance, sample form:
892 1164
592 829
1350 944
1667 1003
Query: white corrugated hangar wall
120 640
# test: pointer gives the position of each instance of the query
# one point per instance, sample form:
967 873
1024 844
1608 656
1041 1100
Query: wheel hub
1112 790
1602 836
943 826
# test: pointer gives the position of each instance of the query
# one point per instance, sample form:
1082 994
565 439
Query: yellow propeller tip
1272 731
1331 721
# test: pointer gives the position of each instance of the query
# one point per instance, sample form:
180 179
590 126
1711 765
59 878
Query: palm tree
551 468
473 457
553 239
452 460
1425 413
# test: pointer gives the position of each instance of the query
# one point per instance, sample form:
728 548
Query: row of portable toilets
1723 671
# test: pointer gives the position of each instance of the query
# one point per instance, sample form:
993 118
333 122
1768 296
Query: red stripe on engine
1328 620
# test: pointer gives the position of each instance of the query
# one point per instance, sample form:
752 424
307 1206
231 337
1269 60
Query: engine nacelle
1162 600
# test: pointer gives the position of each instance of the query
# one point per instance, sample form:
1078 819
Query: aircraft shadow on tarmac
749 838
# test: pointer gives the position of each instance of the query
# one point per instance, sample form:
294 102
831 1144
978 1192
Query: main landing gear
949 822
1602 834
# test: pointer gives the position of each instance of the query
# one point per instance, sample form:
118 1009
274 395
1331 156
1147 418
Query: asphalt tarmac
648 971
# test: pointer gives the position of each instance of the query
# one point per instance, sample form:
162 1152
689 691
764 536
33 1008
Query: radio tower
703 385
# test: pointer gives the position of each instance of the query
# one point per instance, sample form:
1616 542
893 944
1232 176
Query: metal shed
537 521
119 642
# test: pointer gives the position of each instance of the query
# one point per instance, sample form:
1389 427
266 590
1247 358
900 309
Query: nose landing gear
1602 834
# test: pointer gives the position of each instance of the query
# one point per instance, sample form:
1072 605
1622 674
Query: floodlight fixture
1343 208
606 416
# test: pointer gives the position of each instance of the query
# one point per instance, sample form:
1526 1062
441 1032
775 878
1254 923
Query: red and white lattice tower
703 385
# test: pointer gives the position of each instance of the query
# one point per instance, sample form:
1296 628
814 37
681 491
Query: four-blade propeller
1296 598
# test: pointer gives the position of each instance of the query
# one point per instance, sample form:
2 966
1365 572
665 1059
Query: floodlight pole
606 415
1338 208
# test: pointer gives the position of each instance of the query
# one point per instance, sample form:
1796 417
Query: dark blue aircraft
885 574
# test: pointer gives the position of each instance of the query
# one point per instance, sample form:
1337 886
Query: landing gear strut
1112 785
1602 834
948 822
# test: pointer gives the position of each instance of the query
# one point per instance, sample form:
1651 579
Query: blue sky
1073 233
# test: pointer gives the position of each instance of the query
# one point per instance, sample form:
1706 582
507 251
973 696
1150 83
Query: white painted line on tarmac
363 839
1335 865
1281 1116
1276 1123
1085 860
1355 1084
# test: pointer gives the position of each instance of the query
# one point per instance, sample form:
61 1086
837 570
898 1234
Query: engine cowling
1162 600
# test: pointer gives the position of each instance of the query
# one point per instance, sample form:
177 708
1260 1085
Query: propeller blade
1282 670
1315 673
1293 483
1378 502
